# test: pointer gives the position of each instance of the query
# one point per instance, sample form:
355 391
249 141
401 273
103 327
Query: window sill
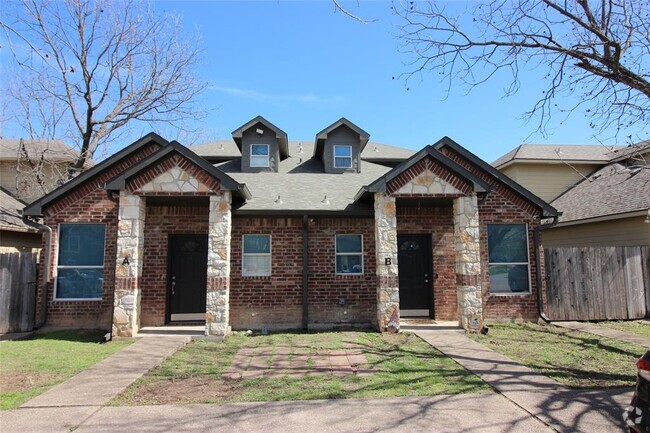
511 294
77 299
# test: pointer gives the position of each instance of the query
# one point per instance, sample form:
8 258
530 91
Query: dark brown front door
415 275
188 268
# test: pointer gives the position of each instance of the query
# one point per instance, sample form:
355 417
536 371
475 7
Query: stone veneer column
387 275
217 313
130 242
468 263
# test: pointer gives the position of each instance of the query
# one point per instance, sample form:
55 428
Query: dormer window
342 156
259 155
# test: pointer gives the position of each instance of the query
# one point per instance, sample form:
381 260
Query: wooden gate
597 283
17 291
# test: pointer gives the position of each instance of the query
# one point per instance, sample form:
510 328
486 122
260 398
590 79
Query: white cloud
307 98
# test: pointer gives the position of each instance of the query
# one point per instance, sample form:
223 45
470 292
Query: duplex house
267 232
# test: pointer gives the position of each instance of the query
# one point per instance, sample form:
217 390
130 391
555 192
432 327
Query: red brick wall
160 222
88 203
503 206
326 288
439 223
274 301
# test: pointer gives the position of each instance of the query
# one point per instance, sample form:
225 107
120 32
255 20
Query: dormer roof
322 136
281 136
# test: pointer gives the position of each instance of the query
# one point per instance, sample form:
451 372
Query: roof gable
382 184
36 207
280 135
342 122
446 142
120 181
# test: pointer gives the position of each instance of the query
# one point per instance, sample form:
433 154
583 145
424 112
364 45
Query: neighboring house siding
623 232
19 242
548 181
24 186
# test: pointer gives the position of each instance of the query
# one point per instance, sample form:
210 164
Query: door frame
428 238
168 283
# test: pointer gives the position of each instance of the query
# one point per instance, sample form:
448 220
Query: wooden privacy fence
597 283
17 291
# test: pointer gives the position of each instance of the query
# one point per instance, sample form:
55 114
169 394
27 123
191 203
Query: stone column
468 263
217 315
130 242
386 252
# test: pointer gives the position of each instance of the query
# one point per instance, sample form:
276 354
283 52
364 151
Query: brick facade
503 206
276 301
162 221
327 291
88 203
439 223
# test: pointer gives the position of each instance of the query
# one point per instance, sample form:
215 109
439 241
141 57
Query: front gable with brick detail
156 234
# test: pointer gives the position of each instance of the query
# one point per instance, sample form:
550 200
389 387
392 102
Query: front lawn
397 365
30 367
575 359
638 327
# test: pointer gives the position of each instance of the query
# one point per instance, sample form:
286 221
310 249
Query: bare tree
598 50
87 68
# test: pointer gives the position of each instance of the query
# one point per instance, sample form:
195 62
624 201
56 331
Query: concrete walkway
484 413
602 331
564 409
98 384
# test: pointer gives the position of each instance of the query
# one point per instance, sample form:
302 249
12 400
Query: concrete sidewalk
605 332
565 410
98 384
485 413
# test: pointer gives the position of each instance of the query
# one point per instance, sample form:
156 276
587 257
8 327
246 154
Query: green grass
575 359
30 367
403 365
633 327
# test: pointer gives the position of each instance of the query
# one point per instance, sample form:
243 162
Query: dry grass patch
397 365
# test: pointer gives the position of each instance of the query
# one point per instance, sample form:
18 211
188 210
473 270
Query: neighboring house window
508 255
80 267
349 254
256 255
342 156
259 155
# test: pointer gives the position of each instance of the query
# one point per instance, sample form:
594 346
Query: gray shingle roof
302 185
10 213
552 152
612 190
638 153
53 150
373 151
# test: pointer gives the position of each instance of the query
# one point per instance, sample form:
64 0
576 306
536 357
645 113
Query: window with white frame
80 266
349 254
342 156
508 257
259 155
256 255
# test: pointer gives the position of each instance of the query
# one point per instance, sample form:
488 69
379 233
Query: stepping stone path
296 361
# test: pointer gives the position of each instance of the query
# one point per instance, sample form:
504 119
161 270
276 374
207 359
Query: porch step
172 330
435 325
